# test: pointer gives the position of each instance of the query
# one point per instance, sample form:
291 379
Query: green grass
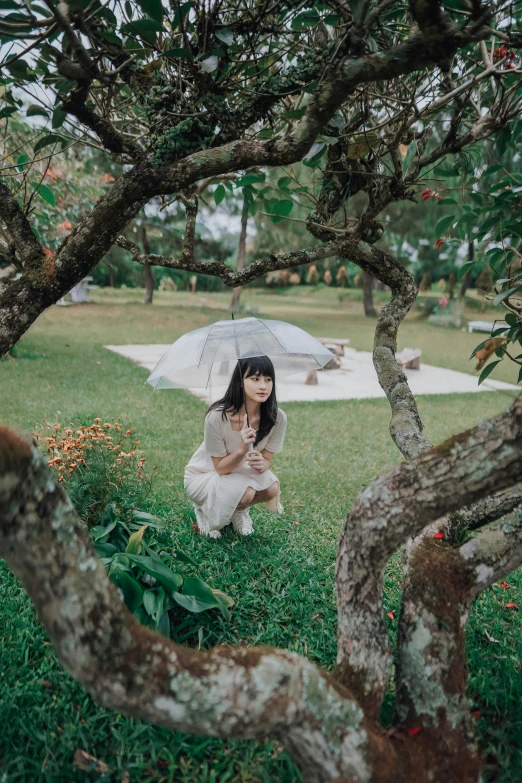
281 579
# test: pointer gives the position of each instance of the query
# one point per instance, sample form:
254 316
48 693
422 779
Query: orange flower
107 425
36 435
66 225
108 178
97 419
129 432
68 432
54 461
56 427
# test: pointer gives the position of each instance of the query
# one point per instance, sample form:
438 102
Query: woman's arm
225 465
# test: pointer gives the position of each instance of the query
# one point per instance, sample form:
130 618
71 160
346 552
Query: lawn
281 579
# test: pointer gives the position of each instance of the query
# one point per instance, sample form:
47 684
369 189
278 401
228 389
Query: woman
225 478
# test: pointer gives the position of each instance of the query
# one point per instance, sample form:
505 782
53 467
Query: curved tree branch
396 507
249 693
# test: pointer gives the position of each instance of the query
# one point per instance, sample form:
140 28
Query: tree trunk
466 280
149 277
369 307
241 254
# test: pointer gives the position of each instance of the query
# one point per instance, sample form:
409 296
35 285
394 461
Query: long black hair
234 396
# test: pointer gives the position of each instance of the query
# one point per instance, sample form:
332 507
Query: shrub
102 472
99 464
150 586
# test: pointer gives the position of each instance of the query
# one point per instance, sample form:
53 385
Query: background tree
181 96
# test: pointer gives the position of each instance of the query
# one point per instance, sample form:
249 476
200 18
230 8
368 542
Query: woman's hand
248 436
256 461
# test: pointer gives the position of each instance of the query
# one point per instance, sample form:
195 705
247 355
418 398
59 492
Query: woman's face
258 388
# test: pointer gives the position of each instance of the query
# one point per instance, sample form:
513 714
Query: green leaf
305 20
282 207
163 626
226 35
21 161
134 545
197 596
105 550
284 182
153 8
443 202
154 602
443 224
36 111
144 618
500 330
149 519
293 114
478 347
45 192
506 294
464 268
169 580
488 369
131 589
58 117
45 141
219 194
250 179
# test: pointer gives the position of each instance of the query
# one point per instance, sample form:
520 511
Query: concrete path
356 378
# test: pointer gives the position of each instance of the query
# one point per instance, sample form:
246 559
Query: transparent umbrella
207 356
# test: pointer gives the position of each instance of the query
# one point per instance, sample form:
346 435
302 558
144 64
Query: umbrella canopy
208 356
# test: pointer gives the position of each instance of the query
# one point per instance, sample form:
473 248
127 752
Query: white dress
215 497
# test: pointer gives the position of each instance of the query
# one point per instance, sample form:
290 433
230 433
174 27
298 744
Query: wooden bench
484 326
334 342
409 358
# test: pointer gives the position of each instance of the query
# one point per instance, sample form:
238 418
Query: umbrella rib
203 346
274 336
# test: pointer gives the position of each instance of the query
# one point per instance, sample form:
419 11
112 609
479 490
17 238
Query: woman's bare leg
262 496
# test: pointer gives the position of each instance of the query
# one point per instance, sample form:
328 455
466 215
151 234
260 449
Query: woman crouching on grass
224 478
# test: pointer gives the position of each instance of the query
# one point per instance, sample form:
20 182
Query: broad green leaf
45 192
464 269
250 179
134 545
58 117
163 626
282 207
154 602
45 141
488 369
152 8
506 294
305 20
36 111
21 161
144 617
219 194
105 550
144 516
131 589
210 64
169 580
284 182
443 224
225 34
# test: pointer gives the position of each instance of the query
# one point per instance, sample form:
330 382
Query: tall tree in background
183 96
241 253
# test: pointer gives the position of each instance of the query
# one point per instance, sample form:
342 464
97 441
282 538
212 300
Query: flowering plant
98 463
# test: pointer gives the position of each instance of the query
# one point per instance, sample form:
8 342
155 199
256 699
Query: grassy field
281 579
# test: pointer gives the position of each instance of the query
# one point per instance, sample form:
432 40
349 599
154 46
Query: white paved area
356 379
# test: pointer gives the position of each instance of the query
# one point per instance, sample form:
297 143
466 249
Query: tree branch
248 693
232 279
24 242
396 507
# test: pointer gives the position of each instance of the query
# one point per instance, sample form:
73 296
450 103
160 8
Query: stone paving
355 379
